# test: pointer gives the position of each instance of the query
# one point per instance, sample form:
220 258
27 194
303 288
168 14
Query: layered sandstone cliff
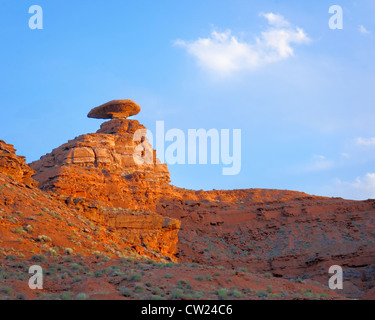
84 224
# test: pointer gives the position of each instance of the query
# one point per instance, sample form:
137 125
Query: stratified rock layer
101 166
284 233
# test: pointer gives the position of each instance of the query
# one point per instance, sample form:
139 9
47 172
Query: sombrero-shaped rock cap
115 109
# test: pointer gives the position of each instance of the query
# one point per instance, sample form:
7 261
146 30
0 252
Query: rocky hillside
34 221
93 196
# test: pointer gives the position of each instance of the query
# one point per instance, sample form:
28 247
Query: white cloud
276 20
366 141
316 164
361 189
319 163
363 30
345 155
224 53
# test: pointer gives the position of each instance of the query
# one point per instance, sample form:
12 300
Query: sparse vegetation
82 296
135 277
125 291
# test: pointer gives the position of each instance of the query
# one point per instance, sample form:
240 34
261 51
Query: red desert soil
105 227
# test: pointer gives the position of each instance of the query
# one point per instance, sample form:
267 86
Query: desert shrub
185 286
268 275
139 289
68 259
53 251
21 296
11 257
135 277
222 293
196 295
18 230
126 292
262 294
38 258
82 296
99 273
75 267
156 291
236 293
76 279
168 276
309 295
176 294
69 251
199 278
29 228
66 295
6 290
299 280
44 238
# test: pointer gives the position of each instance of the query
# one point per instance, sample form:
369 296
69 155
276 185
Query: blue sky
305 106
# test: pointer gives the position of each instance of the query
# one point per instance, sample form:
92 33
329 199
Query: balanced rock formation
101 176
120 109
104 165
15 166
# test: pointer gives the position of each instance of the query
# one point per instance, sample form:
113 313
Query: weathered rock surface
15 166
287 234
115 109
33 212
102 166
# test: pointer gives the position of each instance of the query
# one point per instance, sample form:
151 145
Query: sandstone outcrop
121 109
15 166
283 233
31 211
103 166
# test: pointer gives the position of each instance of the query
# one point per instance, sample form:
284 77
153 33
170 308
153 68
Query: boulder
115 109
